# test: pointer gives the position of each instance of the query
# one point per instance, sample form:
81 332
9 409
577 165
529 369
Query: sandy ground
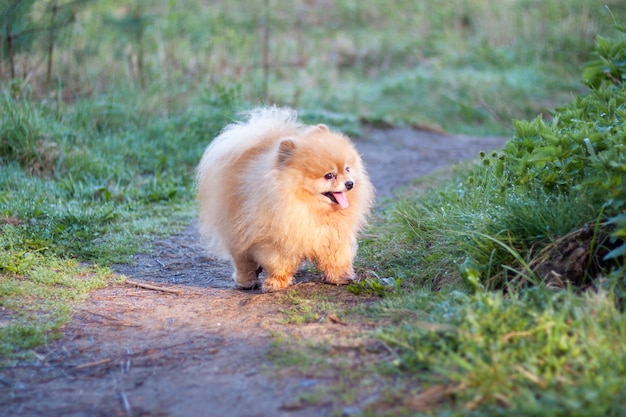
205 348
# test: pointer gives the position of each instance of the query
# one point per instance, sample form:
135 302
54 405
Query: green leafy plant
609 65
610 68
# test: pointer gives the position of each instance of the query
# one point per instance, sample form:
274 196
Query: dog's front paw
273 284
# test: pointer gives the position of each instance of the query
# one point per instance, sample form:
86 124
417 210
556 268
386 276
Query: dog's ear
285 150
323 127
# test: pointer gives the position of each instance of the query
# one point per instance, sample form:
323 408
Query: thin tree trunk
53 15
9 38
266 51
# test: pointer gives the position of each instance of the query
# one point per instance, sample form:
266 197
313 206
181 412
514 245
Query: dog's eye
329 176
347 169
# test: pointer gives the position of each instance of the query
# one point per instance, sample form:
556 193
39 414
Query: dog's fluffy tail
216 164
279 115
256 124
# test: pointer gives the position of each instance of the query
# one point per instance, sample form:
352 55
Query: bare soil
206 349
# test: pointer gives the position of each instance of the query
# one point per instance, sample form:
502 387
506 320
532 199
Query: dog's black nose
349 184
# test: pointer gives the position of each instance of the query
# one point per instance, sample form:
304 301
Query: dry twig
95 363
153 287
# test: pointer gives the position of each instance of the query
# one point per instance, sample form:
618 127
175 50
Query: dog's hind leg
246 275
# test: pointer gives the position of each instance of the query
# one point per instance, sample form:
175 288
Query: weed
307 307
375 286
300 314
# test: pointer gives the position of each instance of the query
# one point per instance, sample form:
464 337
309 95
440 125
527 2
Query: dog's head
323 167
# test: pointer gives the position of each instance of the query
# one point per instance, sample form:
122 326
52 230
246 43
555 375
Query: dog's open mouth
337 198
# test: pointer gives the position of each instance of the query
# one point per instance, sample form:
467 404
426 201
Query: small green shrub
610 68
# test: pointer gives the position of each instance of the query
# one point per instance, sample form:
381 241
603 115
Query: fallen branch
153 287
117 322
333 318
96 363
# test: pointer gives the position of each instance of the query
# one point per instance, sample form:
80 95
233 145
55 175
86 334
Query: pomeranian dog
274 192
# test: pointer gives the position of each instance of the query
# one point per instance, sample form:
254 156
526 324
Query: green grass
468 67
100 162
528 353
39 290
445 227
537 352
305 309
91 182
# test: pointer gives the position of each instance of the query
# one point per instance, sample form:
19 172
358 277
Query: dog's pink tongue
342 200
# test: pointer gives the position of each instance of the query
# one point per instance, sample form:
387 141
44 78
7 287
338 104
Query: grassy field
467 66
97 157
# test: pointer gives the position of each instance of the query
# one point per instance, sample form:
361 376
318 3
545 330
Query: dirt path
205 351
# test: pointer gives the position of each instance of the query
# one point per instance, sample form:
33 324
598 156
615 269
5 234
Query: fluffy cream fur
273 192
